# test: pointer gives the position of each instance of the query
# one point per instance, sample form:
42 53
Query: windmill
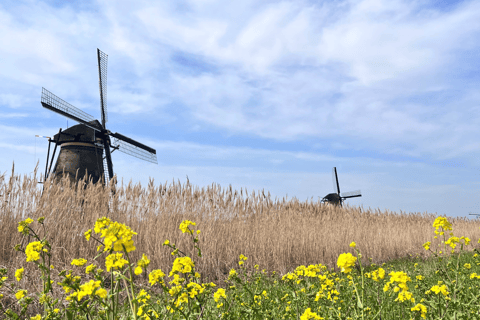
338 198
85 149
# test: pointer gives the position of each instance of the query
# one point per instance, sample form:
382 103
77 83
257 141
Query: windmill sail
102 83
134 148
56 104
351 194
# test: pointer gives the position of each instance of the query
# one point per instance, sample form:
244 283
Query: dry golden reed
276 234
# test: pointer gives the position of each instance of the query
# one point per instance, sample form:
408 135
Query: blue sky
261 94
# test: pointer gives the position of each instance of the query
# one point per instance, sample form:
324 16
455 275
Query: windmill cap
79 133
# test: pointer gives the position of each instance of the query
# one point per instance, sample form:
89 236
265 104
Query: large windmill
86 148
337 198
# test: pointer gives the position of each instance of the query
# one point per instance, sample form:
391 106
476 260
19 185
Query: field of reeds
275 234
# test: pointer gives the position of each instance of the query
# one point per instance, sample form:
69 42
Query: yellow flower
88 234
182 265
353 244
22 225
232 273
138 270
308 314
167 242
420 307
116 235
19 274
20 294
184 226
156 276
467 265
219 294
143 262
37 317
440 289
378 274
32 250
78 262
426 245
102 293
443 223
115 260
346 261
90 268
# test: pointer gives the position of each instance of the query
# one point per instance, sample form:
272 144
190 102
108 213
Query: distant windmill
338 198
85 148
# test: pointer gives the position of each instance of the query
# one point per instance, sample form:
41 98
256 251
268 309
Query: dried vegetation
276 234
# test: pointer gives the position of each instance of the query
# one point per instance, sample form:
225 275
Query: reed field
277 236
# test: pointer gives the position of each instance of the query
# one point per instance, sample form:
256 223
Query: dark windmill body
85 149
337 198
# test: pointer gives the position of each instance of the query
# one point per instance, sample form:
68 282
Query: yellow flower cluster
20 294
89 288
441 222
33 251
346 261
308 315
156 276
184 226
242 259
19 274
420 307
117 235
401 279
78 262
219 294
440 289
378 274
22 226
142 263
182 265
115 260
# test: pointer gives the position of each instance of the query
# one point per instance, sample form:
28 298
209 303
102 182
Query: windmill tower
85 149
337 198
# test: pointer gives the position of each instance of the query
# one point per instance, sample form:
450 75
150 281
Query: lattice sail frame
102 83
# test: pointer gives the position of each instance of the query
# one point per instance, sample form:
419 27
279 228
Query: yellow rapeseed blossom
156 276
466 240
20 294
420 307
78 262
88 234
22 226
37 317
32 250
308 314
184 226
443 223
115 260
116 235
182 265
440 289
90 268
467 266
427 245
378 274
346 261
220 293
167 242
353 244
19 274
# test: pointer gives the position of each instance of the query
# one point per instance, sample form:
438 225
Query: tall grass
276 234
